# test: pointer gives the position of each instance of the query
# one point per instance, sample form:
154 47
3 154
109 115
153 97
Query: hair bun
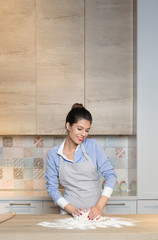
77 105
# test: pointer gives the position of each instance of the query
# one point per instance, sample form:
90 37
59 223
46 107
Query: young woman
75 163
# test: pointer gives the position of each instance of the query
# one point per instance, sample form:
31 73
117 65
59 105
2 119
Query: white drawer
21 207
120 207
148 206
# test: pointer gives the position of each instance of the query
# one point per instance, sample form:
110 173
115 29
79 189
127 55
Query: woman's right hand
73 210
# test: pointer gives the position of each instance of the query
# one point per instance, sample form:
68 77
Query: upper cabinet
60 61
17 67
109 65
55 53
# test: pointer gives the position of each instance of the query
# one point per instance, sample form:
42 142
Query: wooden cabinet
54 54
109 65
17 67
60 62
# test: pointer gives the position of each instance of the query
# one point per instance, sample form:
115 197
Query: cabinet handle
115 204
20 204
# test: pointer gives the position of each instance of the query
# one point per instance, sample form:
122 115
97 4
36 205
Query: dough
84 217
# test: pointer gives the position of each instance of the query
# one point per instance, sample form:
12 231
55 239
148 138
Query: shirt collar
60 150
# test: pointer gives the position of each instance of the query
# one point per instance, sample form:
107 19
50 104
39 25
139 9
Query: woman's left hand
94 212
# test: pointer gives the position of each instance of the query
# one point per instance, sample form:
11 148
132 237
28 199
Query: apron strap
84 152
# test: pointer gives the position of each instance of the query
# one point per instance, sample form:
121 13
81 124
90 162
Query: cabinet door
148 206
21 207
109 65
17 67
120 207
60 62
50 208
147 114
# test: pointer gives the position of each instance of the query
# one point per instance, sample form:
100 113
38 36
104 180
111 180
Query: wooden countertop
24 227
43 195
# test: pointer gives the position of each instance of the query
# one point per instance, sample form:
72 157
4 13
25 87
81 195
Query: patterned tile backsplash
23 159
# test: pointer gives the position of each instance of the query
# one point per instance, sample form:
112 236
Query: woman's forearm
102 202
70 209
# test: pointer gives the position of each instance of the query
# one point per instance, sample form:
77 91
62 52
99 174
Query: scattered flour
82 222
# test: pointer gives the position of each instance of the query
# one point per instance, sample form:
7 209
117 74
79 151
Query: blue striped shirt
98 157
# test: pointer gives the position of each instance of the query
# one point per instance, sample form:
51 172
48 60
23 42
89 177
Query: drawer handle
115 204
20 204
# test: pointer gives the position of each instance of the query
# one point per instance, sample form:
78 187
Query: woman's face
78 131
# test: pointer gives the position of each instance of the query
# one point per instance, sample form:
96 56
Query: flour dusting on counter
85 223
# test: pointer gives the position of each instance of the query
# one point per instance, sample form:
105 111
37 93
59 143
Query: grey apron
82 187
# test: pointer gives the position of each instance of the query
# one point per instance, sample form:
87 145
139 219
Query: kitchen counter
25 227
43 195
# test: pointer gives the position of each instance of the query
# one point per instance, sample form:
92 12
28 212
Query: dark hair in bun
77 112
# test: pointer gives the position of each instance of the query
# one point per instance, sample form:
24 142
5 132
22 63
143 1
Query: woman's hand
78 212
73 210
94 212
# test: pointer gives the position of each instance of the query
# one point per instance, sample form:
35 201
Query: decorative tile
110 142
6 163
7 184
113 162
48 141
38 152
121 152
121 163
18 184
28 163
58 141
101 140
7 141
38 173
1 141
110 152
28 173
18 173
122 175
39 141
1 184
132 175
1 153
121 141
28 141
132 153
17 141
45 152
1 173
28 184
28 152
7 173
132 158
17 162
39 184
10 153
38 163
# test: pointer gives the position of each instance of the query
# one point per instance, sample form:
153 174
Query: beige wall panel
60 62
17 67
109 65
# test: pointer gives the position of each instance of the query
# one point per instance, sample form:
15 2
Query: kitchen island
24 227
